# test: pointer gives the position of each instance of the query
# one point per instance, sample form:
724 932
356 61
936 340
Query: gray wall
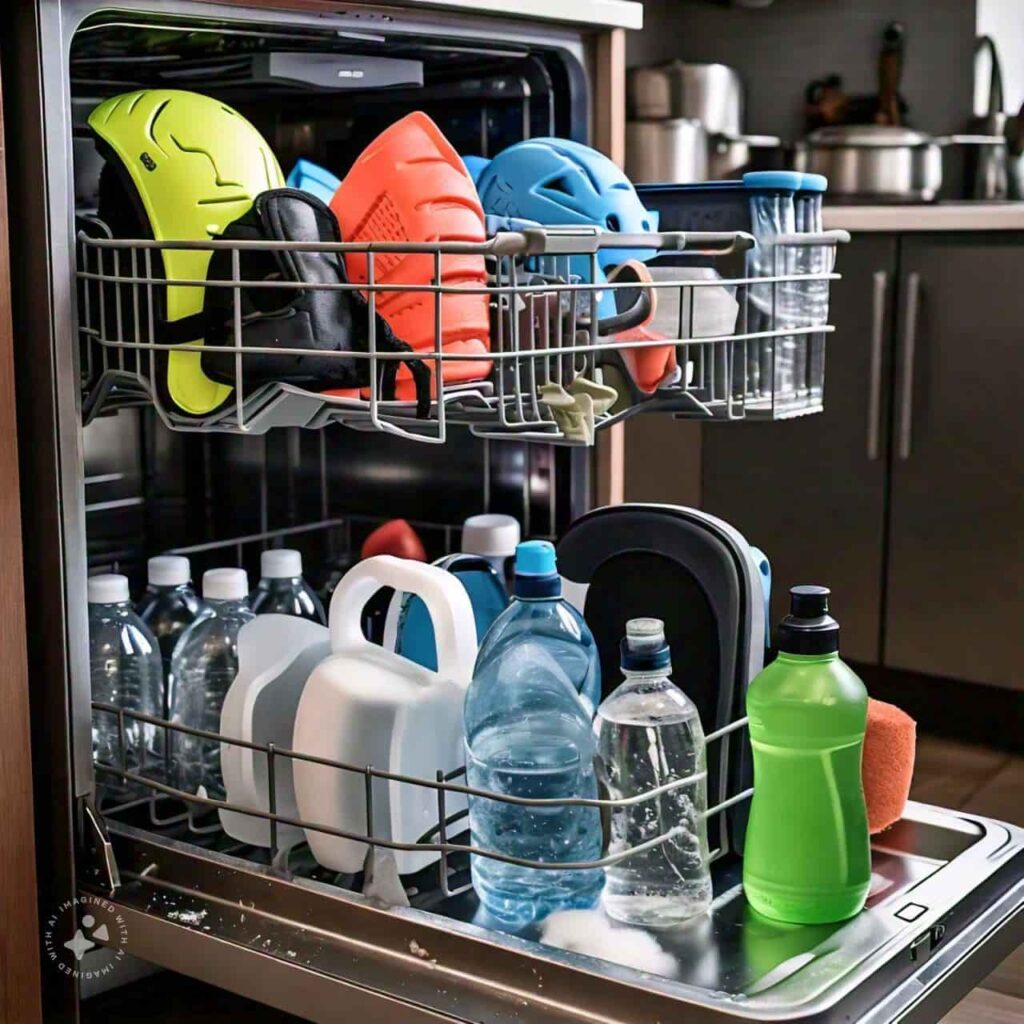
779 49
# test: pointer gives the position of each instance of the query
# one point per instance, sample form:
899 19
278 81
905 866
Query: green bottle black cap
808 628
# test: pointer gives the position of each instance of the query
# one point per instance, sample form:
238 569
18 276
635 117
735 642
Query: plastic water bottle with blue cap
649 736
528 720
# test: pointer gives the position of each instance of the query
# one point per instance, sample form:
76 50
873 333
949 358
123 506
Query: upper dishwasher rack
702 300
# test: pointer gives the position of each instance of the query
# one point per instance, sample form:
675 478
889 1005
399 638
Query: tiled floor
947 773
991 783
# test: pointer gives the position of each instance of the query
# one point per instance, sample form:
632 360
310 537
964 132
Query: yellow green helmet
193 165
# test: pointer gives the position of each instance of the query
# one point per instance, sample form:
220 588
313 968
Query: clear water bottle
779 304
529 733
649 735
203 666
169 606
282 590
125 670
539 611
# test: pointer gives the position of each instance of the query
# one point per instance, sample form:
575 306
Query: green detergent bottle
807 858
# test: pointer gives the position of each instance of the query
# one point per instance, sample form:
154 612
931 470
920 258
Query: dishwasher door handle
907 368
880 286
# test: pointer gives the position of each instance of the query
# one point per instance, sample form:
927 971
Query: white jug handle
445 597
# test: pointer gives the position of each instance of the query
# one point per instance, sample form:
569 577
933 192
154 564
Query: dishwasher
113 473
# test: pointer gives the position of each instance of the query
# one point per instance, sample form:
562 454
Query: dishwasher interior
271 923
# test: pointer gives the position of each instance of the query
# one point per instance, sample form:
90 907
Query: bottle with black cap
807 859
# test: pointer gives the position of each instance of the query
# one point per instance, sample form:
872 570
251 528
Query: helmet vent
559 184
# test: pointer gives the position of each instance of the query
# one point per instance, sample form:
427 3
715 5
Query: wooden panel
982 1007
19 932
609 91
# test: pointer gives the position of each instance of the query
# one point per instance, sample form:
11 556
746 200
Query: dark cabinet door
811 491
955 594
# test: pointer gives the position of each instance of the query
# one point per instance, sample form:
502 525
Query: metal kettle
986 172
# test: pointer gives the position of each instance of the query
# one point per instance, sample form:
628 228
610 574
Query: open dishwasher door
946 906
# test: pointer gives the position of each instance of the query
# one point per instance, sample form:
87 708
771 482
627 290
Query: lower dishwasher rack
947 904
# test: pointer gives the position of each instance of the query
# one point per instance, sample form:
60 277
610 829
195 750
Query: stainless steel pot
709 93
885 163
674 150
683 98
730 155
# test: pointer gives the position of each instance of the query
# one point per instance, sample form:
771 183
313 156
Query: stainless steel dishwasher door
947 904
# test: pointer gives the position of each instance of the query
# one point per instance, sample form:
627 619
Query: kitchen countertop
979 216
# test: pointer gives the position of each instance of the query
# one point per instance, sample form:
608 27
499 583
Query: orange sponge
888 763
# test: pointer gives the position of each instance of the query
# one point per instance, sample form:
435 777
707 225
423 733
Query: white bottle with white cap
494 537
203 666
169 605
282 590
126 672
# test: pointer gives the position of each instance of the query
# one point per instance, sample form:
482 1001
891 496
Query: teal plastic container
807 856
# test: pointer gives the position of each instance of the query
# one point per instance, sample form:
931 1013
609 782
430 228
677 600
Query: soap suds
590 932
189 917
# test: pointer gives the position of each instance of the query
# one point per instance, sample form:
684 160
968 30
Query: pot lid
867 135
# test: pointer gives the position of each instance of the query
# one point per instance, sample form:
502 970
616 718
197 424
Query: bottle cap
281 563
808 628
168 570
537 570
644 647
107 588
225 584
493 536
775 181
813 183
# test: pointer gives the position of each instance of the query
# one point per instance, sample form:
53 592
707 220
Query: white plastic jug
276 654
365 705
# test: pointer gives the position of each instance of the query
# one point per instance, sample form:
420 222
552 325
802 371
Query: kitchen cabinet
794 487
955 572
905 496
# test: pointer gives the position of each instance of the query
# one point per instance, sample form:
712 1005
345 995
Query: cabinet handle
880 286
907 372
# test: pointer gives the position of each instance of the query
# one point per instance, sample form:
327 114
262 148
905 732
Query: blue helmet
314 179
474 165
557 182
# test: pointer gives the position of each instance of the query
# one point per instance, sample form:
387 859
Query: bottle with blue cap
649 737
777 304
528 720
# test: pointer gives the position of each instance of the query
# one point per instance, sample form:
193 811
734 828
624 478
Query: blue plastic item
528 720
781 181
722 205
414 637
813 183
475 165
314 179
536 558
764 569
558 182
493 224
700 206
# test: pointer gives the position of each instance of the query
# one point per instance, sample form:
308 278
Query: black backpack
315 320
